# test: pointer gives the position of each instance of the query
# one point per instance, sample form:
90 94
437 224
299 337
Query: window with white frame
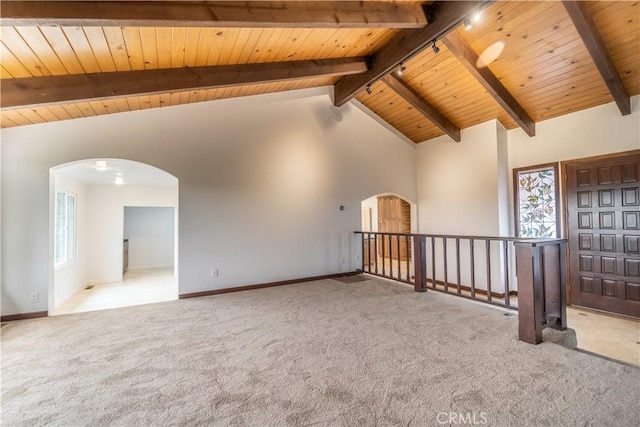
65 228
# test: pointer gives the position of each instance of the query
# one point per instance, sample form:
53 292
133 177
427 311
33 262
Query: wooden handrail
539 268
460 236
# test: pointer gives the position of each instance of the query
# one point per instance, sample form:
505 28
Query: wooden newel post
420 263
530 292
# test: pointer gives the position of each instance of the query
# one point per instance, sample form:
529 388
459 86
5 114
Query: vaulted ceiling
65 60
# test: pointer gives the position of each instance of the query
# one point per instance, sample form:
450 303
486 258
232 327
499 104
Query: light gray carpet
351 279
369 353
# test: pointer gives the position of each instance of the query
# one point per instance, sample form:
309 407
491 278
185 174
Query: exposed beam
400 87
443 17
31 91
264 14
466 55
598 51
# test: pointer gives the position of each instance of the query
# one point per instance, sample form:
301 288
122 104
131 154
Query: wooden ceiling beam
468 57
261 14
595 45
400 87
443 16
32 91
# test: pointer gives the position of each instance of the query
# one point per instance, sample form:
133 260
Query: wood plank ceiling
547 67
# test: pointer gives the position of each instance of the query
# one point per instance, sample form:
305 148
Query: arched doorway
388 213
114 235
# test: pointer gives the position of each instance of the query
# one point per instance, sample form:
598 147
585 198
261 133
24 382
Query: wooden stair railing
433 260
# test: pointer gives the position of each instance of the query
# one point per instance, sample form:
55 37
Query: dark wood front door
603 221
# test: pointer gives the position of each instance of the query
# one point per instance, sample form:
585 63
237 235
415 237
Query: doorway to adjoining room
115 235
388 213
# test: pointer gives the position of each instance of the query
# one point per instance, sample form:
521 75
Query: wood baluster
473 268
399 257
409 257
488 251
506 273
446 268
433 262
375 251
420 259
390 236
458 290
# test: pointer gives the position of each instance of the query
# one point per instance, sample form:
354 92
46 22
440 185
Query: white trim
67 259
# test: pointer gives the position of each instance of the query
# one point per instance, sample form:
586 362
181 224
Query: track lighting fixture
435 48
368 89
401 69
467 24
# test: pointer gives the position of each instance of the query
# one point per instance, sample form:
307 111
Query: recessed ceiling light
118 181
101 165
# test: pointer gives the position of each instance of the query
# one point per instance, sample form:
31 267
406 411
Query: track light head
368 89
435 48
467 24
401 69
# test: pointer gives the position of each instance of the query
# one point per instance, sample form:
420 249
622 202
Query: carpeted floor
369 353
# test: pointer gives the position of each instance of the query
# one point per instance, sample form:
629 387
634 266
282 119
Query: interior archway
113 235
388 213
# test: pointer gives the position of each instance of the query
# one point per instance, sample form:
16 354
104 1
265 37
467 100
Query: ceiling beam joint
406 92
445 17
468 57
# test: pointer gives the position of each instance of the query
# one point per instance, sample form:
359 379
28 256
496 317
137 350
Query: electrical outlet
214 272
34 297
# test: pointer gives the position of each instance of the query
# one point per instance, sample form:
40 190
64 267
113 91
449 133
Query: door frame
565 208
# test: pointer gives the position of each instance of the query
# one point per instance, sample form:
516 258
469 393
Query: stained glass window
536 202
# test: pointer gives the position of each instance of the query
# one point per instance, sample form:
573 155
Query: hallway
138 287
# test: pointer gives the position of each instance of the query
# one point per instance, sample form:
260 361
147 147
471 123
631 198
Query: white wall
261 180
504 180
372 203
71 277
586 133
461 192
465 188
106 213
151 235
593 132
458 183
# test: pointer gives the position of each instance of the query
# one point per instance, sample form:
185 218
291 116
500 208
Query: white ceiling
132 173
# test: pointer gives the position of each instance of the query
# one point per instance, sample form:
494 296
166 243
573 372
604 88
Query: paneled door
603 221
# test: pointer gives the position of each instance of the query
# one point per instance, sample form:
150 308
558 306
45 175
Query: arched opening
388 213
114 235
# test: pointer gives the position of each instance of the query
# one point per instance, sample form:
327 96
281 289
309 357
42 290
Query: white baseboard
70 294
103 282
